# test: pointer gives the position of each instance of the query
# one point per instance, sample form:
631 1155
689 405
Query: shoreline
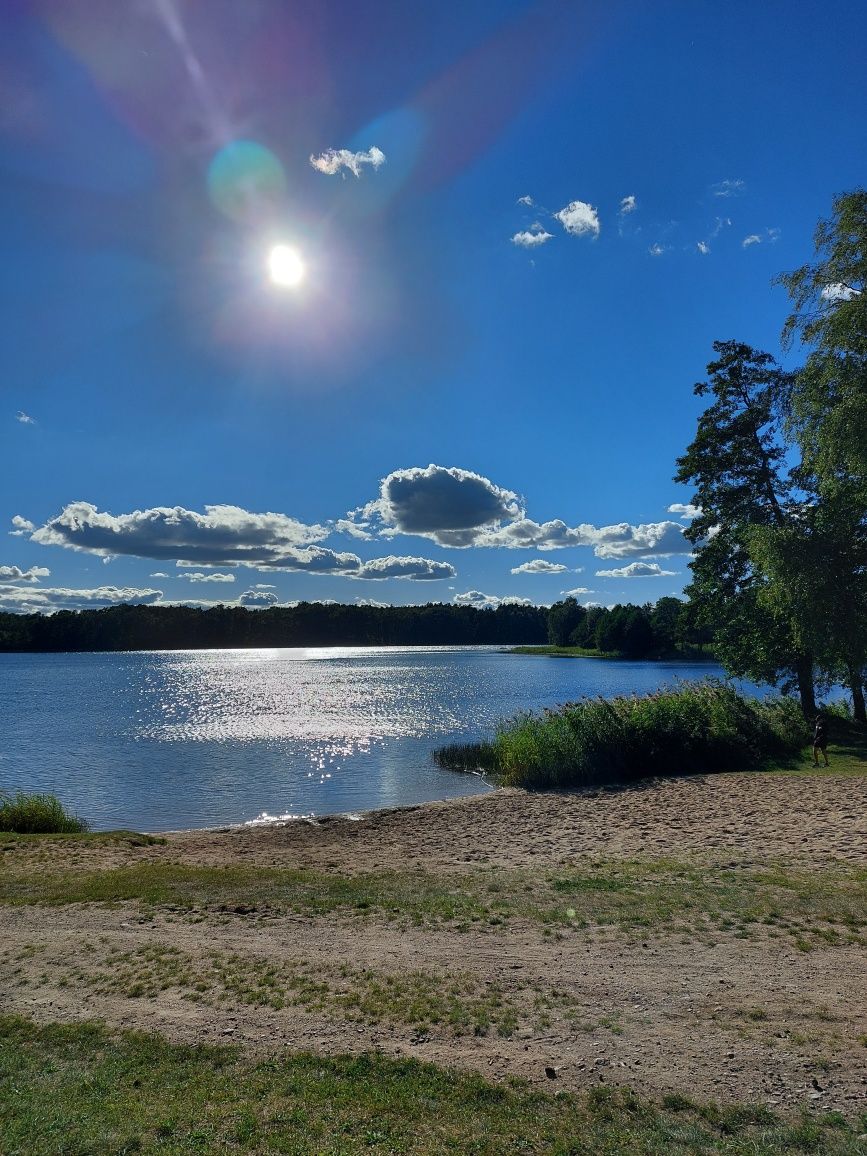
772 815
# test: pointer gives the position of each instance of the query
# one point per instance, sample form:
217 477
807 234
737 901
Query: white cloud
460 509
579 219
159 574
489 601
371 602
439 500
528 201
414 569
540 566
655 539
22 527
532 238
15 574
257 598
839 292
703 247
42 600
628 204
685 510
222 536
25 418
575 591
720 223
636 570
770 236
728 188
219 536
656 250
354 529
333 160
195 576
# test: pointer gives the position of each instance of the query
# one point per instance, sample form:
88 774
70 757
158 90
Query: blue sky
516 230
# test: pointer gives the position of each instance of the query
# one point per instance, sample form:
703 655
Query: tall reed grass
697 728
37 815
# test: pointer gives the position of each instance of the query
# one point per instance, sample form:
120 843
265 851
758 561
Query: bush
37 815
698 728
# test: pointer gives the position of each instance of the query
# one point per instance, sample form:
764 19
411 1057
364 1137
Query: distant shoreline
584 652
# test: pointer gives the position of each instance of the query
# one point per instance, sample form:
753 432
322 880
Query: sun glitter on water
285 267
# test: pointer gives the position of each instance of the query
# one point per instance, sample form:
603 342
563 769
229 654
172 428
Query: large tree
828 414
737 464
829 316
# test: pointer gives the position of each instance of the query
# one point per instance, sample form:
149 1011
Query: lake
161 741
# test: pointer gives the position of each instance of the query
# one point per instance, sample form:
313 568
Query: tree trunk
856 685
804 674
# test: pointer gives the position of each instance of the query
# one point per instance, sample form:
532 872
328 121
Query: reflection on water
190 738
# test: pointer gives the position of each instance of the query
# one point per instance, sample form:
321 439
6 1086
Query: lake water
160 741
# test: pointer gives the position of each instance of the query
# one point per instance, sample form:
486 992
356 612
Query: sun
285 267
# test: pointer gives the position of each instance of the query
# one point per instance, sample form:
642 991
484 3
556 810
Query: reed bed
701 728
37 815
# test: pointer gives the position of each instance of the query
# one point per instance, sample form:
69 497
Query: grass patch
565 651
847 754
13 841
80 1089
457 1003
663 896
37 815
707 727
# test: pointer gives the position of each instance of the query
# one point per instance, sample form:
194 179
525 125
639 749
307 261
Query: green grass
80 1089
706 727
847 754
662 896
564 651
36 815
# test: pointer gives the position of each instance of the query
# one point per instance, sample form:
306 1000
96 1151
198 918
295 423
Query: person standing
820 739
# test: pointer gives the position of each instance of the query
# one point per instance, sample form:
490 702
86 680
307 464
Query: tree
818 579
736 462
666 620
828 414
829 298
563 619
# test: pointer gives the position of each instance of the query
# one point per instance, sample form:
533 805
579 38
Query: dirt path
712 1015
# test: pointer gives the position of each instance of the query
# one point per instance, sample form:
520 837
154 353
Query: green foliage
829 299
37 815
80 1088
625 631
706 728
736 462
470 757
564 618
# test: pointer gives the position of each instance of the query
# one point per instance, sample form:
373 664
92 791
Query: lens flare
246 181
285 267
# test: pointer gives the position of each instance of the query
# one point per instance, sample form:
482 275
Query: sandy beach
768 1007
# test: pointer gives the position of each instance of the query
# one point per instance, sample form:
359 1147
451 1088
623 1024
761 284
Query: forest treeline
636 631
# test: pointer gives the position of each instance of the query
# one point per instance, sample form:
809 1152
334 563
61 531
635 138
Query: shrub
37 815
697 728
